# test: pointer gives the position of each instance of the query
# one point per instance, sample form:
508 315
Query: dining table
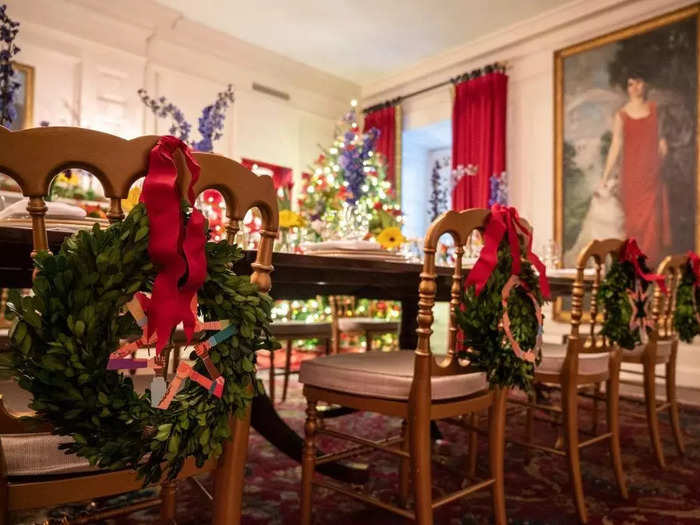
295 276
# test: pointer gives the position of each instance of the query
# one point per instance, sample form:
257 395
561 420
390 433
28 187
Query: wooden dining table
295 276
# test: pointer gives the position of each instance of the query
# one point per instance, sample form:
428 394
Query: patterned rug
537 486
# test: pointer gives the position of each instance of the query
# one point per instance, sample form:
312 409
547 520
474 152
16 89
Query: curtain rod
474 73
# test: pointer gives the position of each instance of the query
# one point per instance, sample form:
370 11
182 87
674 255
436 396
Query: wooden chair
586 359
32 157
662 348
413 386
345 322
290 331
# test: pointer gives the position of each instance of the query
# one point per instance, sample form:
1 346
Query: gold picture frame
24 106
586 53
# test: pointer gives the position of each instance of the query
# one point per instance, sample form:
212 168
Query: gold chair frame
32 158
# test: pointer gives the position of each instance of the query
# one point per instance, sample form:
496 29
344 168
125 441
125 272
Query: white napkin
56 210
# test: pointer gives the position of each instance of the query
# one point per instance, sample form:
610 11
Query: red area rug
537 487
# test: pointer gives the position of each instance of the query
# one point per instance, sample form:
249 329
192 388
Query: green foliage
487 348
612 297
685 317
65 333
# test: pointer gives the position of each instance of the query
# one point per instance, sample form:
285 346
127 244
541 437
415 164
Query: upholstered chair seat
362 324
289 331
663 352
553 357
39 455
385 375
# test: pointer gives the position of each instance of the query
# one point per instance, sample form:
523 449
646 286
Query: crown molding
518 40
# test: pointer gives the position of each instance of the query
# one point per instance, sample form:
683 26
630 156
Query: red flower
396 213
378 205
320 159
305 176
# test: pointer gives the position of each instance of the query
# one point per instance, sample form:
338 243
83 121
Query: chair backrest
342 305
460 226
588 312
664 305
33 157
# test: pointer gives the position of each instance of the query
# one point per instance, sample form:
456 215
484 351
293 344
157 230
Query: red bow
694 262
631 253
505 220
176 250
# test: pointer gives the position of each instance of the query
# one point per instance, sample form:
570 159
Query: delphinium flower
438 194
498 189
8 85
180 128
211 123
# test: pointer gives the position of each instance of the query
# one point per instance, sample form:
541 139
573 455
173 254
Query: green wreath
66 331
685 316
480 317
613 296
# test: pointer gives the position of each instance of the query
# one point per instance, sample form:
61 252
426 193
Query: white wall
528 49
91 56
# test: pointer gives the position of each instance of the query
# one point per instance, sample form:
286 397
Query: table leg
408 340
266 420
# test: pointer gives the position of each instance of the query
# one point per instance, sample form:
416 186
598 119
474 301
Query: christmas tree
349 173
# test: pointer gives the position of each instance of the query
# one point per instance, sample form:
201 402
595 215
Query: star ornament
640 320
123 358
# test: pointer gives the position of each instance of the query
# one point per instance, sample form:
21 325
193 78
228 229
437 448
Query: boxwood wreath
66 331
483 343
685 316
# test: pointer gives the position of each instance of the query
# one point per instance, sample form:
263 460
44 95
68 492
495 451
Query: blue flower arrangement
498 191
353 156
210 124
8 85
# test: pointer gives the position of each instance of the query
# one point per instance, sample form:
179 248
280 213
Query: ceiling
359 40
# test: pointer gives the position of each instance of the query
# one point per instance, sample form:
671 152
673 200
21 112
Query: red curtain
385 121
281 176
478 137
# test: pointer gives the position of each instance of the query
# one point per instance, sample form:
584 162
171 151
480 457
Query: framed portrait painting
24 96
626 139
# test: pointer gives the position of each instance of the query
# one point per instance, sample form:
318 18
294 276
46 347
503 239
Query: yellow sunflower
132 200
289 219
391 237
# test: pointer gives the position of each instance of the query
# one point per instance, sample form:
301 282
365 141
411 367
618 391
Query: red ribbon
630 252
176 250
504 220
694 261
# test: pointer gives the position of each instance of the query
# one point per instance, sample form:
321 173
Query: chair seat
663 352
588 364
362 324
39 455
386 375
301 329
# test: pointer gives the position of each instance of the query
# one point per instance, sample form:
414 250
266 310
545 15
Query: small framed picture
24 96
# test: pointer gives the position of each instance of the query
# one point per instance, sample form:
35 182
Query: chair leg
569 401
308 461
673 400
419 428
473 444
612 389
404 466
652 414
167 502
287 368
497 424
328 346
228 477
271 388
597 390
368 342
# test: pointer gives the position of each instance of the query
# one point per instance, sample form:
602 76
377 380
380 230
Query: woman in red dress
642 192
